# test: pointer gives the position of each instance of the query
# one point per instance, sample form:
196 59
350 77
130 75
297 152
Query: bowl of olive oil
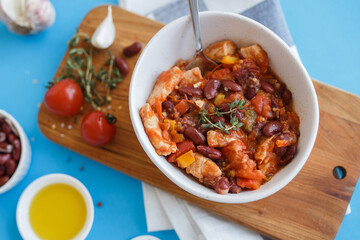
55 206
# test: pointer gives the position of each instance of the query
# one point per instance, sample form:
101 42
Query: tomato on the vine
64 98
98 128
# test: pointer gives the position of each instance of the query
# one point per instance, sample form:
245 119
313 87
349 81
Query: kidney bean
6 128
132 49
216 119
211 88
16 150
194 135
241 76
6 147
286 96
234 188
195 92
4 158
230 85
280 151
2 137
224 107
222 185
168 106
267 87
10 167
122 65
2 170
183 147
289 154
11 137
209 152
239 115
4 180
250 92
272 128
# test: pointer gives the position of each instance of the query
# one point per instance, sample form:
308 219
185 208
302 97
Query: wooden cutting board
312 206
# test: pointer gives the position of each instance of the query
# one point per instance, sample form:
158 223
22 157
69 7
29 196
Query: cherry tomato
64 98
98 128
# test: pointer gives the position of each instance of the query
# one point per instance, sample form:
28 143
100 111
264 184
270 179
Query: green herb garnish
234 121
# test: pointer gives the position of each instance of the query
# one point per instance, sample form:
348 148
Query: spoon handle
194 11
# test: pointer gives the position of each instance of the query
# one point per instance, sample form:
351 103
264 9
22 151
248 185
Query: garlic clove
27 16
104 34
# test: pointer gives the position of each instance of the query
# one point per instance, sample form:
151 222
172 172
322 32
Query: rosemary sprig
234 121
79 67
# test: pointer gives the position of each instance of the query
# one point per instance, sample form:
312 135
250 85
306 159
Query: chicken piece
256 53
218 50
162 145
165 84
191 77
222 74
265 157
203 168
218 139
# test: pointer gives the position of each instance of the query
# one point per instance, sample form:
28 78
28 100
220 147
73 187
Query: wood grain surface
312 206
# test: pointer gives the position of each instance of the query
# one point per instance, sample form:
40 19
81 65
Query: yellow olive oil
57 212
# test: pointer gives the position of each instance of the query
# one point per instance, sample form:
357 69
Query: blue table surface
327 36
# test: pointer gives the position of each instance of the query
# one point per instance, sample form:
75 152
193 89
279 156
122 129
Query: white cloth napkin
165 211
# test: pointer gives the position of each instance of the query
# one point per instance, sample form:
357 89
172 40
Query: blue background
327 36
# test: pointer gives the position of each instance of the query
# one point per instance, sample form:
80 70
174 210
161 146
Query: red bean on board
272 128
267 87
4 158
194 135
211 88
4 180
209 152
168 106
231 85
195 92
10 167
132 49
122 65
2 136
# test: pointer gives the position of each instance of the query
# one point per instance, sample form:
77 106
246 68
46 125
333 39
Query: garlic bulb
104 34
27 16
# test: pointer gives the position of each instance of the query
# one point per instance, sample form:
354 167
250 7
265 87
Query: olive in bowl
15 152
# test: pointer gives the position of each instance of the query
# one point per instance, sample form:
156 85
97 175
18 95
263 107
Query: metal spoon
205 64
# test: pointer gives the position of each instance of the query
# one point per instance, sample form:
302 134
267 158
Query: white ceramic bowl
25 157
22 210
176 40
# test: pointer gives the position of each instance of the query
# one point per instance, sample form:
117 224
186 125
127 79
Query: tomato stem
110 118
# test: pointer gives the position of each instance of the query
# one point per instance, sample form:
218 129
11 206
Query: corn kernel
172 123
229 60
219 98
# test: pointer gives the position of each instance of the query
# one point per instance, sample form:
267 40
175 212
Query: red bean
211 88
234 188
195 92
286 96
224 107
6 128
2 137
194 135
239 115
280 151
272 128
230 85
16 150
4 180
250 93
168 106
267 87
289 154
10 167
11 137
2 170
122 66
241 76
222 185
209 152
4 158
6 147
132 49
216 119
